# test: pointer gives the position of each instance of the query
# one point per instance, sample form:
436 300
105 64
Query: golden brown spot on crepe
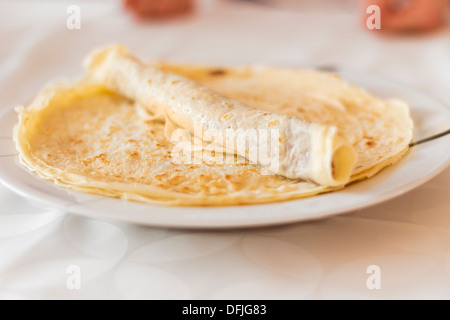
75 141
176 180
266 114
273 123
100 157
227 104
217 72
370 142
149 81
227 116
175 82
186 189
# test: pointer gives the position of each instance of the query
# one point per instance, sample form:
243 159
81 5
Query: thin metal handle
437 136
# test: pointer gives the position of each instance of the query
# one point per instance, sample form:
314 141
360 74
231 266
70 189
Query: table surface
407 238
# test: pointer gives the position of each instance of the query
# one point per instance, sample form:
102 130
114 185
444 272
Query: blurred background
48 38
44 39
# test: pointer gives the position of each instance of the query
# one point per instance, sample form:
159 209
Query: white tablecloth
408 238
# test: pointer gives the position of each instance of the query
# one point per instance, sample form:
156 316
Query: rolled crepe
306 151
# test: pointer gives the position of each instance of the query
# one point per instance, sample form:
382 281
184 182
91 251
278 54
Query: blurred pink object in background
144 9
409 15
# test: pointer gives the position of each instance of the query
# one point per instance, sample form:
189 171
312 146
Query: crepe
90 138
304 150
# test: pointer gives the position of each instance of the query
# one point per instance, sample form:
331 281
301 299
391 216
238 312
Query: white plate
420 165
